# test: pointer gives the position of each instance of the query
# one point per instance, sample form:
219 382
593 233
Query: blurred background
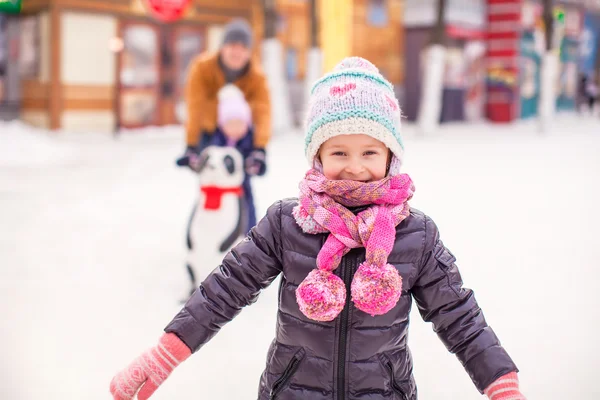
502 140
95 65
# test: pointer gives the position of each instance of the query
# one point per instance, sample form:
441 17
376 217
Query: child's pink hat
232 105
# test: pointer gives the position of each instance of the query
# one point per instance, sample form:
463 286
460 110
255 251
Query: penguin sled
218 220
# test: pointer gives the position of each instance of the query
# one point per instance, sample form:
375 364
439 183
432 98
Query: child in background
234 117
352 256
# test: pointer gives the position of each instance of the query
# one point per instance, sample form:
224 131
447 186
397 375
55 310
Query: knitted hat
238 31
353 99
232 105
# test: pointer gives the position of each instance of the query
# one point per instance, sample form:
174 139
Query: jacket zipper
283 379
347 268
395 387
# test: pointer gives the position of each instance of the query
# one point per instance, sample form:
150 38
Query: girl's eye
339 153
370 153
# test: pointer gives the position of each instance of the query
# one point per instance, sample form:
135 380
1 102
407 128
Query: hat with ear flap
354 98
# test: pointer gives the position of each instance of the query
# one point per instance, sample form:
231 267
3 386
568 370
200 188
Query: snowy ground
92 251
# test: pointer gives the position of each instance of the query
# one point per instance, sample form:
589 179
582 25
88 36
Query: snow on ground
92 252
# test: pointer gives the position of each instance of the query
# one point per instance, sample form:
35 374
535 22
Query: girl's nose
354 167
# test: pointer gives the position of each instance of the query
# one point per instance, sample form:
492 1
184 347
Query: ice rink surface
92 257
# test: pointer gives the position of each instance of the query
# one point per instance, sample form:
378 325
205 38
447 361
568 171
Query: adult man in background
210 72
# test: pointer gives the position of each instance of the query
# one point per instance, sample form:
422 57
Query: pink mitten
505 388
150 369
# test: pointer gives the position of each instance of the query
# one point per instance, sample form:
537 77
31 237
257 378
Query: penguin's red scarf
214 194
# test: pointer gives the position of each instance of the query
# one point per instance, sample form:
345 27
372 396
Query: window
189 42
377 13
29 50
139 76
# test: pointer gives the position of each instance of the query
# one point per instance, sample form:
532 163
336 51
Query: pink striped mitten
505 388
150 369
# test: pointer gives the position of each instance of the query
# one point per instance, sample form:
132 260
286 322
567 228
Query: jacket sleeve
247 269
260 103
456 317
201 106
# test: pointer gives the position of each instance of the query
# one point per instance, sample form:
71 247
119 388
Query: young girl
342 326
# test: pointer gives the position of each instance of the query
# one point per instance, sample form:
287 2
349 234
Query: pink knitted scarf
376 286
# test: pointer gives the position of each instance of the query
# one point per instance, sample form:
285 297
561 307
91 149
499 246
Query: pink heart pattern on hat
342 90
392 103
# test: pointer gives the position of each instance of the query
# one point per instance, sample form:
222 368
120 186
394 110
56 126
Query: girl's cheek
329 174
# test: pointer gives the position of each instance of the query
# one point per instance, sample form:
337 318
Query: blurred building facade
494 53
375 32
464 71
97 65
372 29
100 65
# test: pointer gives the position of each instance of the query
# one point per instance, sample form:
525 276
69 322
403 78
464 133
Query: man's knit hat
232 105
352 99
238 31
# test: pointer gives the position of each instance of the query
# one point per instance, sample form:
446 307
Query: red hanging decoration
168 10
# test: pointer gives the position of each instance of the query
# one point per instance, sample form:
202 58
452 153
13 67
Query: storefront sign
167 10
10 6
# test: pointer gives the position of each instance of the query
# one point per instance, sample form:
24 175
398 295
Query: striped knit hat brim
352 126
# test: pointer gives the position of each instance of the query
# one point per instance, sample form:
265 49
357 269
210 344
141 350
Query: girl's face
235 129
354 157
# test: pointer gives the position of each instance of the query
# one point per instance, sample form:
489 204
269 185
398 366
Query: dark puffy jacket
356 356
